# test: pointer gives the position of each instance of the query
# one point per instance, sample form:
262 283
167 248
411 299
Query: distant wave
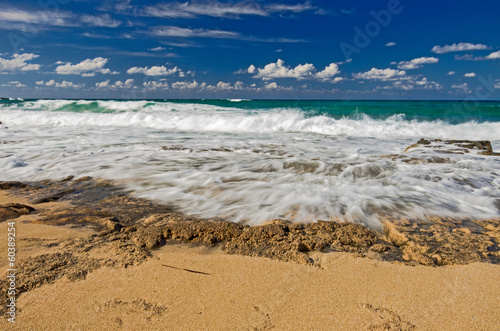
206 117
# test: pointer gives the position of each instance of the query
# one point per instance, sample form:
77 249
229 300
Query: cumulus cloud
100 21
381 74
185 85
460 47
63 84
302 71
470 75
416 63
278 70
156 71
450 73
18 62
271 86
390 44
275 86
227 86
155 85
129 83
331 70
88 67
412 83
220 9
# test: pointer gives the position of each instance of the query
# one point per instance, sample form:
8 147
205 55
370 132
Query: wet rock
14 210
482 147
10 185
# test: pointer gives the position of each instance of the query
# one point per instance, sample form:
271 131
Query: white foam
254 165
185 117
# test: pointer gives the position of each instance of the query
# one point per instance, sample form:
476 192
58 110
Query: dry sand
195 287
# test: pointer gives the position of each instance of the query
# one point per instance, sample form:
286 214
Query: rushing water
259 160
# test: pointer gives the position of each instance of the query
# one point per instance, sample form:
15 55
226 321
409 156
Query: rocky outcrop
481 147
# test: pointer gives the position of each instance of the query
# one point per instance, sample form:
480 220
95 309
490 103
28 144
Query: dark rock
10 185
14 210
423 142
460 146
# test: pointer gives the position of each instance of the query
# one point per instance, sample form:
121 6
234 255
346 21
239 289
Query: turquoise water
451 111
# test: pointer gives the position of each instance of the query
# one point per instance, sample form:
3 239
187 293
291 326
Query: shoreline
81 229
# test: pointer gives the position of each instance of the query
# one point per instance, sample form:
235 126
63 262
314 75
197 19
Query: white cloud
18 63
87 67
129 83
461 87
174 31
460 47
66 84
227 86
470 75
155 85
412 83
497 85
63 84
493 56
218 9
331 70
470 57
156 49
390 44
14 84
381 74
95 35
185 85
100 21
337 79
102 84
278 70
302 71
17 19
416 63
274 86
271 86
156 71
450 73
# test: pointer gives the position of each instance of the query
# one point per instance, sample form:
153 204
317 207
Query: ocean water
253 161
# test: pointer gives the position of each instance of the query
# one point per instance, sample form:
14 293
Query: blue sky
396 49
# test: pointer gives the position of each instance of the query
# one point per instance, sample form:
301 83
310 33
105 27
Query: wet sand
92 257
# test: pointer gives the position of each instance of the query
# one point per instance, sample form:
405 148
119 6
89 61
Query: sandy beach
89 275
